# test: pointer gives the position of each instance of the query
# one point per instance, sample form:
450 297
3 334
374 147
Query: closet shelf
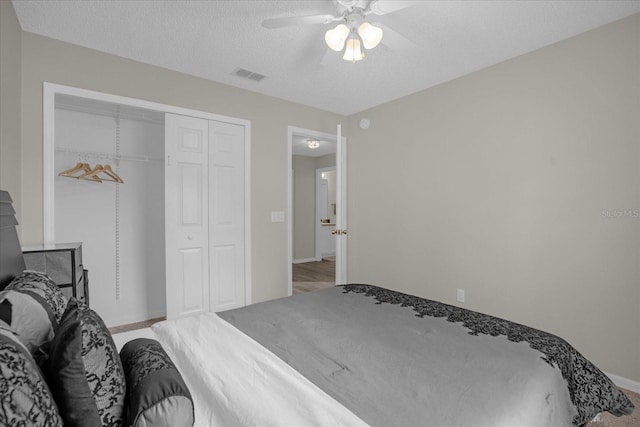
109 156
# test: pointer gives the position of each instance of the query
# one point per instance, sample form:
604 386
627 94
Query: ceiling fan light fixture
370 34
335 38
352 52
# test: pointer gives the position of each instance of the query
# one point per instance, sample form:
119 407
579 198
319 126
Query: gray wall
10 80
508 183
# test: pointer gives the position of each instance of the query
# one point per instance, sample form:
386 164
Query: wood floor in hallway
310 276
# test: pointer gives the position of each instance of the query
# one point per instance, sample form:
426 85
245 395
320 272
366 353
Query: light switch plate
277 216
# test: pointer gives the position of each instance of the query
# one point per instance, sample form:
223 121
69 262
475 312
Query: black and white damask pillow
41 285
156 392
30 318
103 373
25 399
68 378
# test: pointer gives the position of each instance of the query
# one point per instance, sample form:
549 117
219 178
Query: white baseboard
625 382
303 260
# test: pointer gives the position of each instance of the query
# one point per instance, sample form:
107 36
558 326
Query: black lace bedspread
397 359
591 391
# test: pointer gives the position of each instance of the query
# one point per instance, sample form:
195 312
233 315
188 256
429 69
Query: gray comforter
398 360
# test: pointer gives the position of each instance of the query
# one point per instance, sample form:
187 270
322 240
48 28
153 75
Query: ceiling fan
353 29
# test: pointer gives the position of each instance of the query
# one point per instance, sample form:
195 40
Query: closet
161 218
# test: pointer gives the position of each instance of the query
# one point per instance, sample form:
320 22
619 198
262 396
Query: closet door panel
224 275
186 213
193 284
190 194
226 234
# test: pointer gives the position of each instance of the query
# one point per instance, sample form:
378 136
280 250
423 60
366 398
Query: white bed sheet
234 381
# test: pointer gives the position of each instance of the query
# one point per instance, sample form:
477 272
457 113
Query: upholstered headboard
11 259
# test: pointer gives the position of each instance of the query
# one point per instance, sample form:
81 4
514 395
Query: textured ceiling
210 39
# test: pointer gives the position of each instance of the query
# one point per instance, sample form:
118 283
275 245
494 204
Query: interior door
227 228
186 215
341 209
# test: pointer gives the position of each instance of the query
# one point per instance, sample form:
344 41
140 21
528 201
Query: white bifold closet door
204 214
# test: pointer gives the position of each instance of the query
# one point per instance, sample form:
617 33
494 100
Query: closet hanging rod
108 156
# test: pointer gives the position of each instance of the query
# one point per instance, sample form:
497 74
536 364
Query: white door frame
50 90
291 131
341 208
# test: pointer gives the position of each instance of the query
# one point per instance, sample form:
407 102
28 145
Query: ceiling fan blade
383 7
395 40
299 20
330 58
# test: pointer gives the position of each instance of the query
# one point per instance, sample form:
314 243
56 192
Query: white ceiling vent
246 74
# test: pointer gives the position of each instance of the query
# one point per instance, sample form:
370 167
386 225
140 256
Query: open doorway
313 210
313 215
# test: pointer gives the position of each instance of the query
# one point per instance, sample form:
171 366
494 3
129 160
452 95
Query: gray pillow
156 392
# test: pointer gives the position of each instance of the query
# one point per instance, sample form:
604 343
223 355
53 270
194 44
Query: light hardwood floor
133 326
311 276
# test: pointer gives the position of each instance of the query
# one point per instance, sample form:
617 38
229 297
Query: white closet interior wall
126 269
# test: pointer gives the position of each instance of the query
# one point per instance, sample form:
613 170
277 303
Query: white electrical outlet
460 295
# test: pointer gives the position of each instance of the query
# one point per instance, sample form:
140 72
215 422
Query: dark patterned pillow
68 378
156 393
30 318
40 284
25 399
102 367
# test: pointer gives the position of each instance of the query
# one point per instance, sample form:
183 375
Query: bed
359 354
384 357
